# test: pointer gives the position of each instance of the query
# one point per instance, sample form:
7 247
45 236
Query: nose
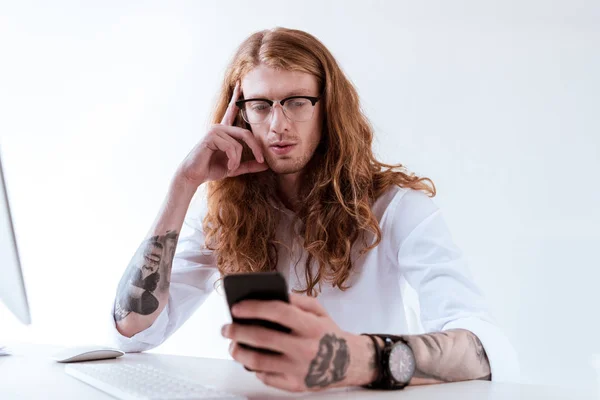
279 122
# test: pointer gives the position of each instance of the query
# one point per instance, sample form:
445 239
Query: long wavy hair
339 185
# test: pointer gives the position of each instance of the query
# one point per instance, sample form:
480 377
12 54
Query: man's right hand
219 155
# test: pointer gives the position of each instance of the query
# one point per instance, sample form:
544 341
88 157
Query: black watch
396 363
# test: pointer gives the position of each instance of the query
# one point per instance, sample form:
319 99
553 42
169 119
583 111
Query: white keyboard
141 381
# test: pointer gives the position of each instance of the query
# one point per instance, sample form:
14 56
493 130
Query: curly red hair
342 180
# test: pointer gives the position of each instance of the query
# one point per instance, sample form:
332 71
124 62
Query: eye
297 103
259 107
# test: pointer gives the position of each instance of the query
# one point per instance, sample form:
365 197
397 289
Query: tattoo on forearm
481 356
450 356
330 364
147 275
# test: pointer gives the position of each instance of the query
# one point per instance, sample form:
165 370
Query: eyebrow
295 92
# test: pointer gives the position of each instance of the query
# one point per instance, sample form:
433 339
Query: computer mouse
86 353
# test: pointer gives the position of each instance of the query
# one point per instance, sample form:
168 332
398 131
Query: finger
234 163
258 336
232 109
218 143
249 167
258 361
308 304
246 136
280 381
275 311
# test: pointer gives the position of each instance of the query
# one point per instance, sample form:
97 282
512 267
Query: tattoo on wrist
330 364
147 275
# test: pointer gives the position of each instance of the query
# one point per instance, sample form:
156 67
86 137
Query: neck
288 188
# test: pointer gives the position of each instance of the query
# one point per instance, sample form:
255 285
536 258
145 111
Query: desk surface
31 374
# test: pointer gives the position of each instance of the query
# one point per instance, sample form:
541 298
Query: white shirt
416 248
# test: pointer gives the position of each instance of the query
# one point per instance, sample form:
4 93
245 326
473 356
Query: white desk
30 374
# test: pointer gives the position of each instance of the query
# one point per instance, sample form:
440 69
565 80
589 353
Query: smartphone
256 286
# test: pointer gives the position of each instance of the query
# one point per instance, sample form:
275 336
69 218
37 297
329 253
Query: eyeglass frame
313 100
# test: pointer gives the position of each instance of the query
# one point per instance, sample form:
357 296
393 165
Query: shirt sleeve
193 276
449 299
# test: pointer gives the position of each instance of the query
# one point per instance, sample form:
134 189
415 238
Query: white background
498 102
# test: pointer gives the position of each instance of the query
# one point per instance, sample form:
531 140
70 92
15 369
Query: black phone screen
256 286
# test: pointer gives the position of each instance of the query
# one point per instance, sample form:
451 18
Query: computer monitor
12 286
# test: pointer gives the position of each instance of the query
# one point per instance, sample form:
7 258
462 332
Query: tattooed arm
144 288
448 356
319 355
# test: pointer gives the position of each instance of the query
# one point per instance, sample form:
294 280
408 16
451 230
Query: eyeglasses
296 108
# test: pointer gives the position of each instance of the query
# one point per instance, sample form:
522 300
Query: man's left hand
316 355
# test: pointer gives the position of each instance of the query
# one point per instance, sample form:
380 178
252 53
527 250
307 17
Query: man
293 186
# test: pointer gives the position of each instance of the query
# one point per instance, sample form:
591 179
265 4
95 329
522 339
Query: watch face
402 362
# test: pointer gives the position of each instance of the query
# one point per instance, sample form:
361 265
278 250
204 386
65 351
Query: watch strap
380 372
384 379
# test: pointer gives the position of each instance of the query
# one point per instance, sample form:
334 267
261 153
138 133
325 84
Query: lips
282 148
282 144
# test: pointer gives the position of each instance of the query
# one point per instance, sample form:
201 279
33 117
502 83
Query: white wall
496 101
